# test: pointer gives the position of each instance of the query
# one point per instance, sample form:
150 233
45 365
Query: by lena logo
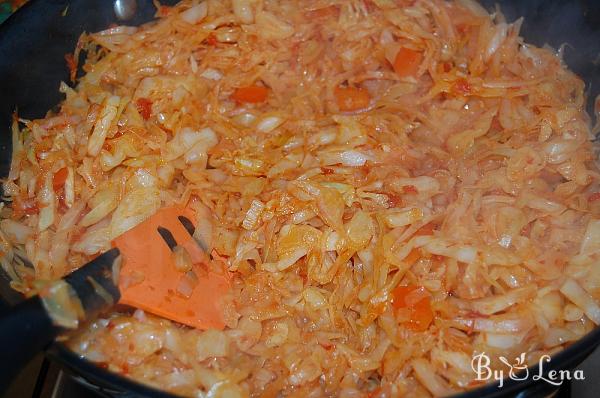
518 370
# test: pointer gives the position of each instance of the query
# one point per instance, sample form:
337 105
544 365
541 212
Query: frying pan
35 39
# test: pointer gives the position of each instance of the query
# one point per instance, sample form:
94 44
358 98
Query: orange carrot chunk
351 99
407 62
421 314
250 94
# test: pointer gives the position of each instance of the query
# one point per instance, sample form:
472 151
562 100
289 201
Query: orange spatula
149 279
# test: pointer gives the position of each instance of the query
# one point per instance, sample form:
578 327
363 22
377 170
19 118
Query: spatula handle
25 330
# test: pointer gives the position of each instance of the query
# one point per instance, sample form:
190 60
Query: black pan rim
565 359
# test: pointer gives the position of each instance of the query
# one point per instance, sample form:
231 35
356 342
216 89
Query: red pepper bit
525 230
366 168
327 345
144 107
327 170
302 273
28 206
211 40
394 200
437 258
594 197
462 28
410 189
72 65
462 87
164 11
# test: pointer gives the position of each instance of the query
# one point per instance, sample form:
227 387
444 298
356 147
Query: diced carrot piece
407 62
421 314
250 94
421 317
351 98
144 107
399 295
59 178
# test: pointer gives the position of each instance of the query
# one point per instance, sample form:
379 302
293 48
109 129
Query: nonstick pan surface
35 39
